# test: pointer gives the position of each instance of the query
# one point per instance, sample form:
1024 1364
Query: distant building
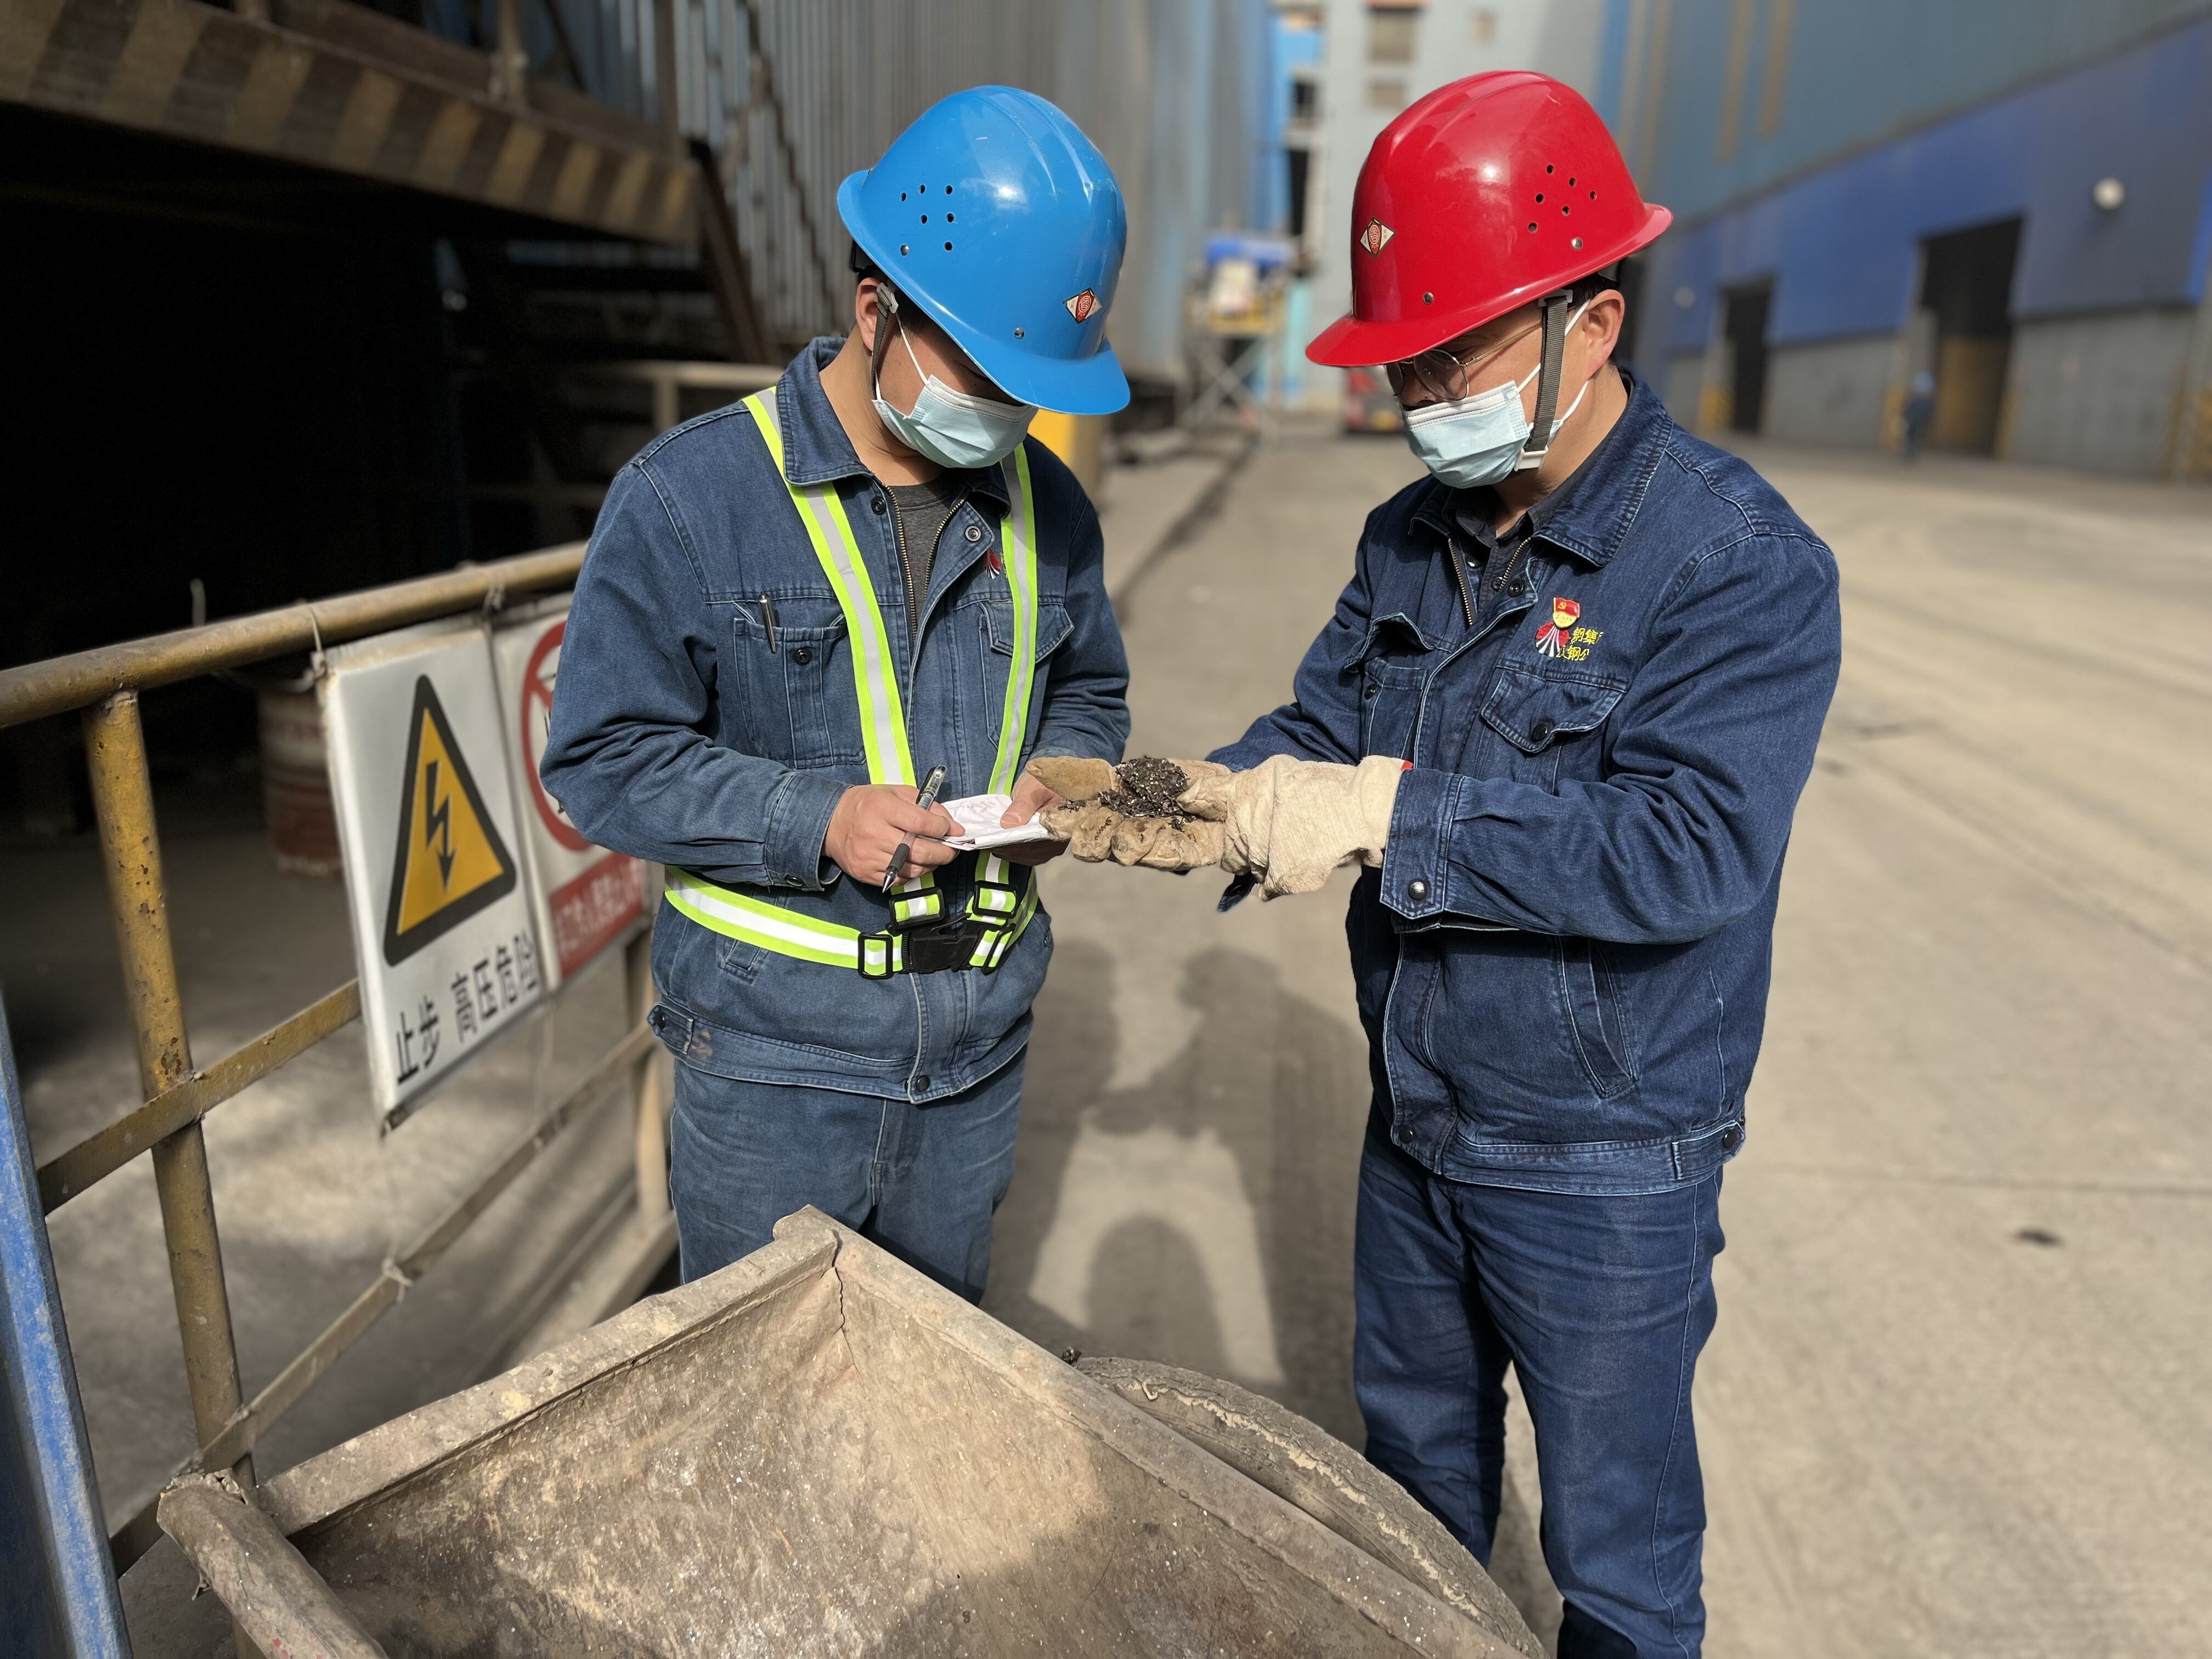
2014 196
1358 64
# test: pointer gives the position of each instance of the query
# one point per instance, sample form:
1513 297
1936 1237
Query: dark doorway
1967 285
1301 162
1745 323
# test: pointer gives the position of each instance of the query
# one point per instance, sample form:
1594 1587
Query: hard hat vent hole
1548 167
948 247
1593 195
948 189
1539 195
1564 208
949 218
924 218
901 196
1532 224
1571 182
903 248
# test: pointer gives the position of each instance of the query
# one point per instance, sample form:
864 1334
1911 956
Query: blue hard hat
1002 221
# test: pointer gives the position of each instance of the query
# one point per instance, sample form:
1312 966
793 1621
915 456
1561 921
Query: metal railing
105 685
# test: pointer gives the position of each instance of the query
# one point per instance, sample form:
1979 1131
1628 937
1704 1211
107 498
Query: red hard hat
1485 195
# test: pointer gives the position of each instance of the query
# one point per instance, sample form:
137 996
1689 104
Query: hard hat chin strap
1554 308
887 305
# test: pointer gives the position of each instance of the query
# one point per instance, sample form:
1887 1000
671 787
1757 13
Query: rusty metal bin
815 1451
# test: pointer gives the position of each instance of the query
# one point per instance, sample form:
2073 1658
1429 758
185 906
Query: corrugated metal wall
1715 98
795 95
1840 242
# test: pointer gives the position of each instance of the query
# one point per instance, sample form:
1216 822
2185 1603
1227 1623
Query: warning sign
450 861
588 898
448 946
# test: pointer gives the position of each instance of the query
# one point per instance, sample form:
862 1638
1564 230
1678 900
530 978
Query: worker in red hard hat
1562 714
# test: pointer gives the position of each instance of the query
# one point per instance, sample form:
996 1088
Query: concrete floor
1957 1402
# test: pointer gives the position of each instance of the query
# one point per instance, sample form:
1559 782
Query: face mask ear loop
1547 380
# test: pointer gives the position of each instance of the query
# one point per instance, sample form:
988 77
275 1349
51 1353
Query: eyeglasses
1442 372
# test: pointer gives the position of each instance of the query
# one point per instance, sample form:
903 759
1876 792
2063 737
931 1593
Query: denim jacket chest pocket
1392 665
1054 625
1542 723
793 693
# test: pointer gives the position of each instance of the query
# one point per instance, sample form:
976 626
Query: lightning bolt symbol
437 822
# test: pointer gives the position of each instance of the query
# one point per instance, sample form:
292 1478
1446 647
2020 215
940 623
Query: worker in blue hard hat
795 611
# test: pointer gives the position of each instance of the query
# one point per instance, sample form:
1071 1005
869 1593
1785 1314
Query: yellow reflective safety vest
999 903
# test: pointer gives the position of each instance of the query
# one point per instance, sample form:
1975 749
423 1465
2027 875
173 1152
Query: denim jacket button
975 532
1417 890
802 654
877 504
1372 689
1540 731
921 1084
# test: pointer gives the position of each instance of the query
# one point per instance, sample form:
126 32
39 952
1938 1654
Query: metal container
815 1450
296 781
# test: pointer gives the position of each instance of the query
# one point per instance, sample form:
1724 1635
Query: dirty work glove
1292 822
1164 844
1096 832
1073 778
1078 819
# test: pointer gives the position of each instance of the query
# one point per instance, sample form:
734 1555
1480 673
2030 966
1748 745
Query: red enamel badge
1376 237
1554 637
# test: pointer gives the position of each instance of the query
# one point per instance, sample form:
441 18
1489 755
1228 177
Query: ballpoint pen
925 801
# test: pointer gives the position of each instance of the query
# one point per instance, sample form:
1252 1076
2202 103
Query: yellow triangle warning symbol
451 862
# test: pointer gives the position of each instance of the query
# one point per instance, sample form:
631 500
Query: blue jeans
921 1181
1600 1304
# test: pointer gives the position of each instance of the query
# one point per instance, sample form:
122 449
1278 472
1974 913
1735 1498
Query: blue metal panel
1840 242
57 1580
1857 71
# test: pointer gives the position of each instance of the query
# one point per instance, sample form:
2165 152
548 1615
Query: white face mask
1478 439
954 429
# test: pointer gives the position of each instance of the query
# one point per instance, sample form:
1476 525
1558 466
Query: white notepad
978 818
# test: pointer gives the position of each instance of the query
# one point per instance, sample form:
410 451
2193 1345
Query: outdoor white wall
2098 392
1830 393
1456 38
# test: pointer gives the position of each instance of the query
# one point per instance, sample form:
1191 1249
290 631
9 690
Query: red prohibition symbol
537 724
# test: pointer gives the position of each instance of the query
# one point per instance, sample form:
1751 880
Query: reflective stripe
883 734
755 922
992 949
875 679
1018 554
875 675
758 922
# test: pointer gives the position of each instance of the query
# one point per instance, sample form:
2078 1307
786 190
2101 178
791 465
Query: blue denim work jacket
681 735
1562 965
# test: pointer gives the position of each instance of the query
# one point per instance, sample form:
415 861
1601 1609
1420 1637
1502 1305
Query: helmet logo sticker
1081 306
1376 237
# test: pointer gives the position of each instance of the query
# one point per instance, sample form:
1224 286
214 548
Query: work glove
1290 823
1096 832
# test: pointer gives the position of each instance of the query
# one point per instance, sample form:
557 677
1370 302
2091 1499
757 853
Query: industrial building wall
1378 59
793 95
2106 169
1715 99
